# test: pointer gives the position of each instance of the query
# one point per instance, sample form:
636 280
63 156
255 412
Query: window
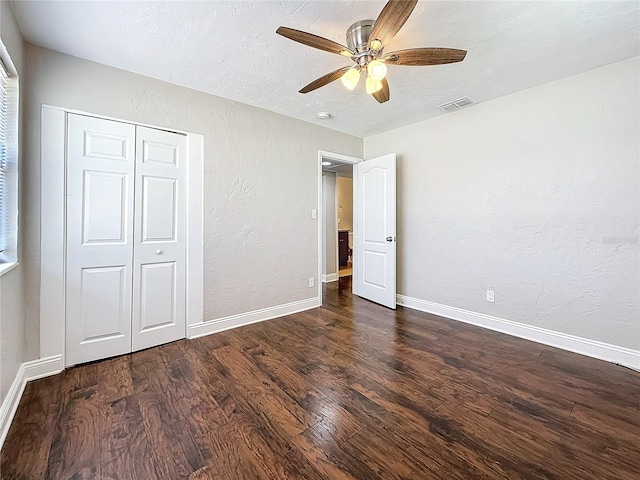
8 160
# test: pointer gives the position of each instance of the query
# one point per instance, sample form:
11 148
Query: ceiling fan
366 40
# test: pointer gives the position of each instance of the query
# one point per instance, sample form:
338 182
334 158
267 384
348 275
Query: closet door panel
159 209
99 230
157 311
104 200
159 261
105 314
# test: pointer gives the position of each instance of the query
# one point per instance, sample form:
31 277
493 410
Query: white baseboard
591 348
43 367
234 321
27 371
331 277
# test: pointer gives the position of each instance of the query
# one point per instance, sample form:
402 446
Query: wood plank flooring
348 391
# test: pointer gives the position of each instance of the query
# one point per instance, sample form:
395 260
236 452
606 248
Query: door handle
391 239
158 252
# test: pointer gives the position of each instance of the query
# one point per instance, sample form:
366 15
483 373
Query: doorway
337 228
374 228
346 245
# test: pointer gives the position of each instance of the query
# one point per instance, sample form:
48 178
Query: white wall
12 307
258 164
536 196
329 232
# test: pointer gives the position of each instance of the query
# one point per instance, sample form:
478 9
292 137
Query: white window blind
8 159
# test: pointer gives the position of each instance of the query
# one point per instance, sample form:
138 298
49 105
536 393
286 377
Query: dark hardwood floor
348 391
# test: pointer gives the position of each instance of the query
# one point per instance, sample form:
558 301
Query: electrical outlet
491 297
312 282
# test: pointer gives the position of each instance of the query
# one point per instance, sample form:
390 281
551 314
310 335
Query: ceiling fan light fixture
377 70
375 45
372 85
350 78
365 42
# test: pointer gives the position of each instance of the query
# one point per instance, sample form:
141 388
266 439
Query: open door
376 230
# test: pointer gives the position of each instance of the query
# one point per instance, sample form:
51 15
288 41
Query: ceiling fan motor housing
358 35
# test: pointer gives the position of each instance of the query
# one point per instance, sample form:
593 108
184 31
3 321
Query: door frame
53 232
336 157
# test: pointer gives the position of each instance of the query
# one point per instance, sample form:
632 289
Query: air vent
456 104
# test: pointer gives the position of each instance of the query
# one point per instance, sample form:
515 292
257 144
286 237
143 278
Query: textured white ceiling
230 49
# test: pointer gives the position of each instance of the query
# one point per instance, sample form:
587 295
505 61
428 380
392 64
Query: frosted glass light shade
375 45
377 69
372 86
350 78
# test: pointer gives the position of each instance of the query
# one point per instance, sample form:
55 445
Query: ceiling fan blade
324 80
393 16
383 94
425 56
314 41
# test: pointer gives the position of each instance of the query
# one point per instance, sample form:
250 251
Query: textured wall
536 196
329 232
258 164
12 307
345 203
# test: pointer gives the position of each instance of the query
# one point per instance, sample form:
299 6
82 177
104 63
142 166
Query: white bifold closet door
126 237
100 183
159 239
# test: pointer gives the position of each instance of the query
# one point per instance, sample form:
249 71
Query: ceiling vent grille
456 104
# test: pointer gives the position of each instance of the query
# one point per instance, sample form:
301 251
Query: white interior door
100 184
376 234
159 260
